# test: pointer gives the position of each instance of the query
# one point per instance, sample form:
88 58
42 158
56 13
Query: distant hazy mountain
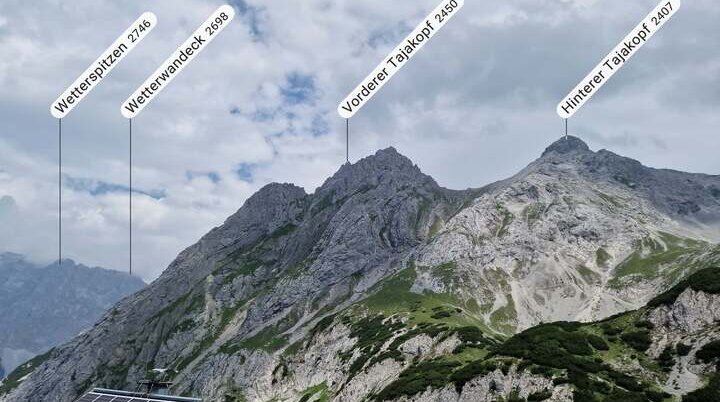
382 285
42 307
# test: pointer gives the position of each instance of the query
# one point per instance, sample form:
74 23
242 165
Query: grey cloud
475 105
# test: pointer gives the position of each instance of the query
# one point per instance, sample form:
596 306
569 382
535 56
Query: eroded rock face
567 238
692 320
692 312
494 386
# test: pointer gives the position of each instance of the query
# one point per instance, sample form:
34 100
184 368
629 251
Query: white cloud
475 106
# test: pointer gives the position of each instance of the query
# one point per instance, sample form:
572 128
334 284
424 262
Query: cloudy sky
258 106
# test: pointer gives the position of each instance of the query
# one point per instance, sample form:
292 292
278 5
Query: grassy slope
594 358
668 257
14 379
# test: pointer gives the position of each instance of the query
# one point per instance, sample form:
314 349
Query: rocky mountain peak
388 159
567 145
386 167
44 306
11 258
296 289
271 207
275 193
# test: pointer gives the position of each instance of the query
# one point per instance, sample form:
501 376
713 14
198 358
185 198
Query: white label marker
617 58
399 57
101 67
177 61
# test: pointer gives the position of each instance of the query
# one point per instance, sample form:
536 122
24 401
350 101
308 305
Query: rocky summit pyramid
382 285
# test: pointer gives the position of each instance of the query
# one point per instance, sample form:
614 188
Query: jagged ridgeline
383 285
45 306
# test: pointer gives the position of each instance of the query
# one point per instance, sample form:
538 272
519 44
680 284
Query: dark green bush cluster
513 397
417 378
667 358
709 353
15 378
706 280
560 346
609 330
638 340
625 381
618 394
471 370
656 396
322 325
597 343
471 337
371 334
710 392
557 345
441 312
393 350
539 396
564 346
683 349
430 329
439 315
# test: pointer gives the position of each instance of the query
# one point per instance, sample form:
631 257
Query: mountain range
586 276
45 306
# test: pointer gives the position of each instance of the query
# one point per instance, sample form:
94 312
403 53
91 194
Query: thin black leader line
59 192
347 140
130 201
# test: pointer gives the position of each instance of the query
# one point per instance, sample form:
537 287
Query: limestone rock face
266 306
691 320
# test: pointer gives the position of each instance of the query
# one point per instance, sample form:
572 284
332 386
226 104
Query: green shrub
14 379
583 395
560 381
539 396
371 334
620 395
639 340
609 330
417 378
470 334
514 397
598 343
542 370
322 325
667 358
439 315
625 381
709 352
655 396
706 280
710 392
683 349
471 370
644 324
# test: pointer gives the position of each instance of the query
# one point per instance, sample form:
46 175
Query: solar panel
108 395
